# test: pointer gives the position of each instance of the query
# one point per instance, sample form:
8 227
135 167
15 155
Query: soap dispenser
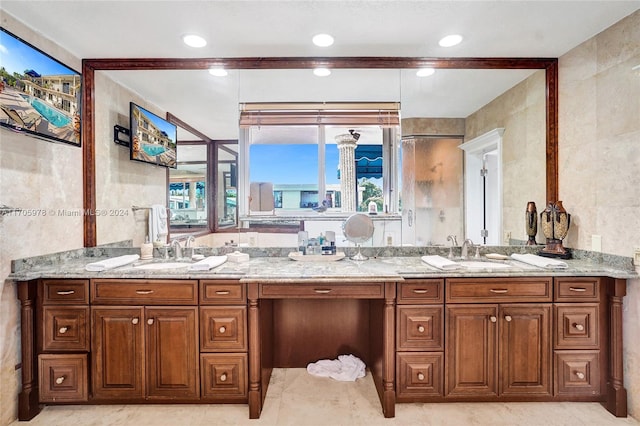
146 250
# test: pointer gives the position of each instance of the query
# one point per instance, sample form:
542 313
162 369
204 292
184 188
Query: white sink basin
166 265
477 264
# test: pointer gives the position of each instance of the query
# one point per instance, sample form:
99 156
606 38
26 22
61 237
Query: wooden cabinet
498 349
578 338
62 340
420 340
149 351
223 341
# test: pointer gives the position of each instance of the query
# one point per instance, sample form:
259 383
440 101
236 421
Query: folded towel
347 368
208 263
440 262
542 262
114 262
158 223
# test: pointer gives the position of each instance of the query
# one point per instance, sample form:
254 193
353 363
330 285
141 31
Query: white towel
158 223
542 262
114 262
440 262
347 368
208 263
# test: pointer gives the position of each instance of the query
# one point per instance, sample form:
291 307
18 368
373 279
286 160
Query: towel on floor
208 263
542 262
114 262
347 368
440 262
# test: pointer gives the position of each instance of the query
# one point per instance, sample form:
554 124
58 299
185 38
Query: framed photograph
39 95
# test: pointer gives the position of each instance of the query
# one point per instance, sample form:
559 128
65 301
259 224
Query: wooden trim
29 396
178 122
89 66
616 402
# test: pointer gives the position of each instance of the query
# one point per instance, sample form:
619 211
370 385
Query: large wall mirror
467 90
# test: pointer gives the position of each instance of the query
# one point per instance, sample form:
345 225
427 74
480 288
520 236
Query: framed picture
39 95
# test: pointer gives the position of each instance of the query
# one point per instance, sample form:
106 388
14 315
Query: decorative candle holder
531 220
555 222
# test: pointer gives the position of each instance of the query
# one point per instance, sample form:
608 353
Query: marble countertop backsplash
272 263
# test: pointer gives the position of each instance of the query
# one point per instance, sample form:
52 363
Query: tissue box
237 257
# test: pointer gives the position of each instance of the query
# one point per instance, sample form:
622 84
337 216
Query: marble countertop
283 269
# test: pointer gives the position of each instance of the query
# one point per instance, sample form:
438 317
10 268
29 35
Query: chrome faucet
454 242
189 246
177 249
465 248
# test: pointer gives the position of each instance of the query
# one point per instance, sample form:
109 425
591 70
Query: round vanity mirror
358 228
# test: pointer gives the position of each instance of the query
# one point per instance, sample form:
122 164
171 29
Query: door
172 352
472 349
525 349
117 348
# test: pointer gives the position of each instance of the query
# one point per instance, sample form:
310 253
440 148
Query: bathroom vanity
160 336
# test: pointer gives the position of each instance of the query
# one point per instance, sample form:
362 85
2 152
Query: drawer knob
580 375
65 292
498 290
222 292
150 321
493 319
322 290
222 329
63 330
223 377
420 376
578 289
134 321
508 318
421 328
144 291
420 291
59 380
579 327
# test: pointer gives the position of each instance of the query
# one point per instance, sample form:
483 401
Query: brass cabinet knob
223 377
421 328
150 321
420 376
580 375
508 318
222 329
59 380
134 321
493 318
579 327
63 330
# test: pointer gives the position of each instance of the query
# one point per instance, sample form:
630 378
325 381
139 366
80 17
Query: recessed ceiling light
322 72
218 72
425 72
193 40
322 40
450 40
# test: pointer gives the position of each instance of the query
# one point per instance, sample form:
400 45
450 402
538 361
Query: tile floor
297 398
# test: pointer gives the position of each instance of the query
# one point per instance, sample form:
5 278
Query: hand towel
347 368
114 262
542 262
208 263
158 223
440 262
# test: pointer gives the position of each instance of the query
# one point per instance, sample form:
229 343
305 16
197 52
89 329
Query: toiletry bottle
146 250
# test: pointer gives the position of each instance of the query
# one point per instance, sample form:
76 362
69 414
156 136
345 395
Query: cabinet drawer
577 373
222 292
577 326
420 328
63 378
65 328
144 292
223 329
321 290
577 289
65 292
419 375
482 290
224 377
420 291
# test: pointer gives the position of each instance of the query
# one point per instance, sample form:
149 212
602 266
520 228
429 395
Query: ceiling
145 29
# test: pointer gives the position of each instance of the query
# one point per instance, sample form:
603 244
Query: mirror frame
90 66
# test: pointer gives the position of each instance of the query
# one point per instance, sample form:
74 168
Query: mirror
402 86
358 229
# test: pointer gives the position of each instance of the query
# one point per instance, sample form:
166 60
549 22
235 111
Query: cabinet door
172 352
471 347
117 348
525 349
